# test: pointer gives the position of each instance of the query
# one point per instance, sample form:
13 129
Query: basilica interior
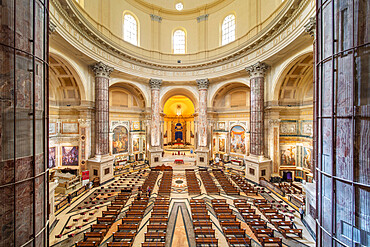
149 123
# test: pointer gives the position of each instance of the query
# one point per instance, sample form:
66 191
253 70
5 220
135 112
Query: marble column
101 166
155 127
257 72
155 85
257 161
310 28
202 112
202 150
102 73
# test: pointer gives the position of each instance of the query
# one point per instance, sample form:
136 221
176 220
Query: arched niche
295 85
234 95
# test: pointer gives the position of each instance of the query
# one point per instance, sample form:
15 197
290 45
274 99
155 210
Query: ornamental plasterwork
93 45
288 128
114 124
307 129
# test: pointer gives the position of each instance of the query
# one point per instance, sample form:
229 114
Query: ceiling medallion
179 6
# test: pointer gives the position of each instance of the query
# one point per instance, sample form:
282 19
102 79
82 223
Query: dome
206 31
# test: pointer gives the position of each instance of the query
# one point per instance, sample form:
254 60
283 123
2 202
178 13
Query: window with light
130 29
228 29
179 41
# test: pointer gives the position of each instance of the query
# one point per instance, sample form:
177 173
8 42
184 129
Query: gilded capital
257 70
102 70
202 83
155 83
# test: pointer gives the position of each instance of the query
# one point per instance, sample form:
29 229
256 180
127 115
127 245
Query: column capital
310 27
257 70
155 83
102 70
202 83
52 28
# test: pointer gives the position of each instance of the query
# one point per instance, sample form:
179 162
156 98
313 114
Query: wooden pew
269 240
207 241
93 237
284 232
205 232
87 244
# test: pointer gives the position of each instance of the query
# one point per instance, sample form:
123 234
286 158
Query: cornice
69 12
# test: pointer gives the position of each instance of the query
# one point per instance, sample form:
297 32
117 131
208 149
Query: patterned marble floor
179 229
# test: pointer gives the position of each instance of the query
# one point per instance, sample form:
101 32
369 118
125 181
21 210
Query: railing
270 186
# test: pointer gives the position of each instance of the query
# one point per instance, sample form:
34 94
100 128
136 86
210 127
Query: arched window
130 29
228 29
179 41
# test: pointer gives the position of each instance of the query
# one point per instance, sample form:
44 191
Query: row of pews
276 218
264 234
150 181
192 182
129 226
290 188
208 182
166 184
156 230
246 187
127 230
225 183
109 216
235 235
202 225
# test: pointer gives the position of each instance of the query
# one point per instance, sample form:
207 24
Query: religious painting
221 144
307 158
288 155
144 144
52 156
70 156
135 144
214 144
237 140
120 140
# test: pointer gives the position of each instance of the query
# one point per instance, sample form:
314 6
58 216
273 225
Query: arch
130 28
132 90
167 93
65 82
227 87
287 67
228 29
179 35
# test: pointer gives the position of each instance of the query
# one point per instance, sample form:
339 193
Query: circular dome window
179 6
